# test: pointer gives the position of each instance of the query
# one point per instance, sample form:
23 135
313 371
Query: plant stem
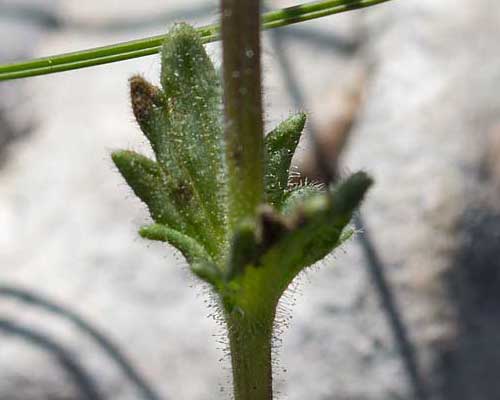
151 45
250 333
250 346
243 124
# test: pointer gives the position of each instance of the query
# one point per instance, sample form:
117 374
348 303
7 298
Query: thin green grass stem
151 45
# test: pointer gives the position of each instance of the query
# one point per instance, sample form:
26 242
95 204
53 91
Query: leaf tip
144 96
121 159
351 192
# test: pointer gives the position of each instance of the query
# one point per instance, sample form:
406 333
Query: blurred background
410 309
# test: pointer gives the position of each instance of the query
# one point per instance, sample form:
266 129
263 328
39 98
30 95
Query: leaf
190 143
314 229
182 121
189 247
280 145
320 222
147 101
299 195
147 180
208 272
199 261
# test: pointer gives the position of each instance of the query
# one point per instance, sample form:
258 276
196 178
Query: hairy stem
250 334
243 106
250 346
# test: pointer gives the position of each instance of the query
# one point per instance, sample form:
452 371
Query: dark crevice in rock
470 368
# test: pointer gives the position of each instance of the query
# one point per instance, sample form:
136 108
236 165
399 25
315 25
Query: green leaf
280 145
321 220
148 181
298 195
189 247
187 74
314 229
200 262
208 272
188 139
182 122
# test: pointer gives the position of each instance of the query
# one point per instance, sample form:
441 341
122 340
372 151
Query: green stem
250 346
250 333
243 124
151 45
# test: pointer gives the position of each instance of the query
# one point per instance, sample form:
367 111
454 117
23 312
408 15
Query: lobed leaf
182 121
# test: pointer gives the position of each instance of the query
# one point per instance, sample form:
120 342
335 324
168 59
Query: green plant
219 192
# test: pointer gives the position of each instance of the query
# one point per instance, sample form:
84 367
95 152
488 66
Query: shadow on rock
80 376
